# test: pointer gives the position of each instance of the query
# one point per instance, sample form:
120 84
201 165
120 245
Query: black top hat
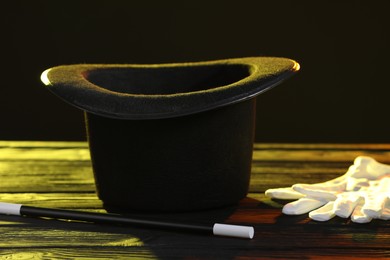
180 159
165 90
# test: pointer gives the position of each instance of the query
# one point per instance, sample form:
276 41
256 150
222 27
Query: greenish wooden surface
59 174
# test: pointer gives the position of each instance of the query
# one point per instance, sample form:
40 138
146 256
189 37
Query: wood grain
59 174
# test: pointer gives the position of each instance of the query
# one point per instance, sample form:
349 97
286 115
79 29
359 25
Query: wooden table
59 174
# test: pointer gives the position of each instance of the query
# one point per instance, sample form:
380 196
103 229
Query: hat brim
127 91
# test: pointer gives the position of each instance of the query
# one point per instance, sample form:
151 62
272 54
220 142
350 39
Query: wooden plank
321 146
56 235
43 144
45 176
77 200
95 252
79 253
273 174
318 155
268 146
198 253
44 154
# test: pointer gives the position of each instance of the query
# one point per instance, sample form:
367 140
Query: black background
341 93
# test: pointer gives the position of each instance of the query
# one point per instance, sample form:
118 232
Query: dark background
340 95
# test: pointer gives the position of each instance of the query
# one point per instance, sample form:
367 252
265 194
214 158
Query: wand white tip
233 231
10 208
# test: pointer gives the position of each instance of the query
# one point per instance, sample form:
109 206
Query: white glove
362 192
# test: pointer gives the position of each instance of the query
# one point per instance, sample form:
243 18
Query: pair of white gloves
362 193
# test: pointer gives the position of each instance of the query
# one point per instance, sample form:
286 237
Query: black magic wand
216 229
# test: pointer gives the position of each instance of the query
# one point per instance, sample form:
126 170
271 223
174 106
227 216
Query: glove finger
316 191
324 213
360 163
368 167
283 193
374 204
358 215
346 203
386 210
326 190
302 206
